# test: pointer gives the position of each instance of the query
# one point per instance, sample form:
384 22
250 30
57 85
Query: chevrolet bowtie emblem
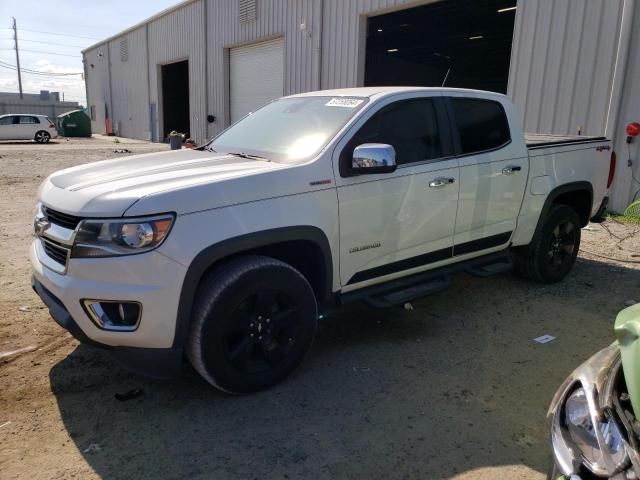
41 225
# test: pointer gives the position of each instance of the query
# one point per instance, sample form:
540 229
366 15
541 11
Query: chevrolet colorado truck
228 254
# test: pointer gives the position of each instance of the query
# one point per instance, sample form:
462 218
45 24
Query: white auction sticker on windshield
344 102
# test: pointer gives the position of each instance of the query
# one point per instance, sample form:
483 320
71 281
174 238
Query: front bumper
152 362
150 278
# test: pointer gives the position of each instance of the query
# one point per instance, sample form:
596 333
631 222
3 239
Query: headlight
106 238
585 438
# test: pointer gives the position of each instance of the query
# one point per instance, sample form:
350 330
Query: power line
39 71
47 53
51 43
42 74
53 33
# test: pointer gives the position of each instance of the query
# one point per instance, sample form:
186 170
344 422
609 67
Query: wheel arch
304 247
577 195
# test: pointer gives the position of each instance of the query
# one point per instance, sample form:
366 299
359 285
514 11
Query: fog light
113 315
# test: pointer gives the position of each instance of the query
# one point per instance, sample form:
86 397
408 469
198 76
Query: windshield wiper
247 155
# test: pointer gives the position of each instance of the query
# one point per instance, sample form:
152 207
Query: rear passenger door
28 127
493 173
403 221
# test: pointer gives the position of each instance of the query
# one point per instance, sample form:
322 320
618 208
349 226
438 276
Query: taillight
51 125
612 168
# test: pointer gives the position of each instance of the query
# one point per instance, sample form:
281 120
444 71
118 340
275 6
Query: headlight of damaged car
123 236
584 436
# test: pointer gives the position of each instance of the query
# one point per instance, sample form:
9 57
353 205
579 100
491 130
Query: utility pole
15 38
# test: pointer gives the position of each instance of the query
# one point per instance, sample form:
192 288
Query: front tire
551 255
42 137
253 322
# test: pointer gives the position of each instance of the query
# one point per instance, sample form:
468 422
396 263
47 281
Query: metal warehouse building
569 65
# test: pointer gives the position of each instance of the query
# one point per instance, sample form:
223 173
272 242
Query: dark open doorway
175 98
469 39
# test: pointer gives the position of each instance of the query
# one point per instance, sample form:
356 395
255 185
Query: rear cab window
482 124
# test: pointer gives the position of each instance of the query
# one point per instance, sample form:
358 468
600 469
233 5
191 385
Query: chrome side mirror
373 158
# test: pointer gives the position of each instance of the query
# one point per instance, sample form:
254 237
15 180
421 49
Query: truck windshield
289 130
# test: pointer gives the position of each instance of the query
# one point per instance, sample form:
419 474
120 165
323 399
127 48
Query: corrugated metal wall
96 67
562 66
627 179
275 18
561 74
129 82
343 43
52 110
176 36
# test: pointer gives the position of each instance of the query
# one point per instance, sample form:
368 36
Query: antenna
445 77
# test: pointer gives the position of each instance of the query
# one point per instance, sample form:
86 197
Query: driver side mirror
370 158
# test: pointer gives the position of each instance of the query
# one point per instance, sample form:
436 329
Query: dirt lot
454 389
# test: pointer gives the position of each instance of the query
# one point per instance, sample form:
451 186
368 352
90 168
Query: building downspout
620 69
111 117
318 16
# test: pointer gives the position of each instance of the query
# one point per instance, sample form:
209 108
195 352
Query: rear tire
553 251
254 320
42 137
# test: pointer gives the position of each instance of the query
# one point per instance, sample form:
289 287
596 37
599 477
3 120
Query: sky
52 33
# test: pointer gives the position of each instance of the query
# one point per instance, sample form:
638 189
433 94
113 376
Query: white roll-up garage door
256 76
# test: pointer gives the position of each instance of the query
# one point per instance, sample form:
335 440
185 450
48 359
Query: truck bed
543 140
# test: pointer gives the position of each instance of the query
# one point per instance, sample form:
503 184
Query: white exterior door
493 174
403 221
256 76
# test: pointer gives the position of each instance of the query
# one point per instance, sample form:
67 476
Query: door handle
441 182
511 169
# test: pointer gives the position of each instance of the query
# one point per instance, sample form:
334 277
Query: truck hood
627 329
109 188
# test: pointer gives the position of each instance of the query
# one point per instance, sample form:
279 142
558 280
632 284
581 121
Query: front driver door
401 222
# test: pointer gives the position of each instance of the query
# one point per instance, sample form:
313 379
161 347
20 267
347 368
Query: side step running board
492 267
409 293
406 289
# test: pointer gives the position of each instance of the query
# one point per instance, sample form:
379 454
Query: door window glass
482 124
410 126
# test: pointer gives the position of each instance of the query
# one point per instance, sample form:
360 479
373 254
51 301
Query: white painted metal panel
256 76
129 117
96 67
274 19
562 64
179 35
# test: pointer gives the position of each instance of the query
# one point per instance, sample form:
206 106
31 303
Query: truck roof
383 91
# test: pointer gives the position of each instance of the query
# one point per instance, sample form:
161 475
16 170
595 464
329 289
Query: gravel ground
454 389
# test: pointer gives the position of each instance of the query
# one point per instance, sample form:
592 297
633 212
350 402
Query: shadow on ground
453 386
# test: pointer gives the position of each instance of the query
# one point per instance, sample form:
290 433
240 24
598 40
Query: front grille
62 219
56 252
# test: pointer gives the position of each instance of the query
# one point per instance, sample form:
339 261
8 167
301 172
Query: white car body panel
369 221
26 131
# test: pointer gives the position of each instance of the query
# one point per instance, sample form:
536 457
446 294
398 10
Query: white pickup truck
230 253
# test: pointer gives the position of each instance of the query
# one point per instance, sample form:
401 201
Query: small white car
27 127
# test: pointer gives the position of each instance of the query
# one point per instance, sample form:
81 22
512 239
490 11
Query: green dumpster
74 124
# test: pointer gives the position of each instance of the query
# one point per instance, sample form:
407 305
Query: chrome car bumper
597 378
